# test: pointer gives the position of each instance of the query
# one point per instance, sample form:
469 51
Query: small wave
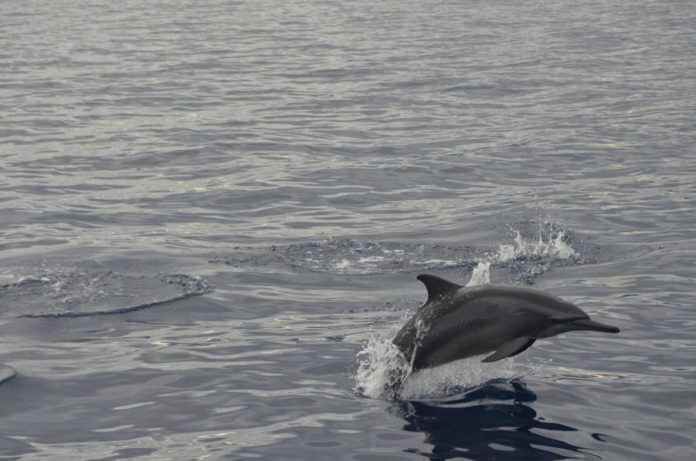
6 373
67 292
355 257
382 367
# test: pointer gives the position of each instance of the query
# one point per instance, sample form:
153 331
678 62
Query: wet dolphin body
458 322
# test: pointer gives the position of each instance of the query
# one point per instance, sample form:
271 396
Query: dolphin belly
438 350
458 336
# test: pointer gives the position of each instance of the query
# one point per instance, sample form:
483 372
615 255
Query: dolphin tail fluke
591 325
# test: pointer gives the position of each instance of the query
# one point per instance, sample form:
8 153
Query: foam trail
381 367
465 374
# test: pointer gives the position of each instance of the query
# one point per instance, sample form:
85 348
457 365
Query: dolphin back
437 287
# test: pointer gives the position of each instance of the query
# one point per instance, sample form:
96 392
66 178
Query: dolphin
457 322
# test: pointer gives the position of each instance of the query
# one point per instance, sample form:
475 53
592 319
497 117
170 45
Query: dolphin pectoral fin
510 348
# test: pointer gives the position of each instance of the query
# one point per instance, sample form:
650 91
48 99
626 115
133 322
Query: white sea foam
342 264
380 365
466 374
553 246
481 275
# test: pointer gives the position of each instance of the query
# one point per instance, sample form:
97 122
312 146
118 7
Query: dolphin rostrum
457 322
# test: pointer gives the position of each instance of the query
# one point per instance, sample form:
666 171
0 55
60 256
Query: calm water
212 215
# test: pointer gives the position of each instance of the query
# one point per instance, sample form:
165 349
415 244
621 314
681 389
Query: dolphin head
577 325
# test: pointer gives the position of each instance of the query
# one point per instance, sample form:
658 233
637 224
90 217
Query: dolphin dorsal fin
437 287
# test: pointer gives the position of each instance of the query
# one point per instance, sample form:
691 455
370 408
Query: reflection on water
493 421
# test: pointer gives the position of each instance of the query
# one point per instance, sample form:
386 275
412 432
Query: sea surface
213 213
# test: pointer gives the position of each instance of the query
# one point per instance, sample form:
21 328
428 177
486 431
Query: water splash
382 369
455 376
381 366
481 275
527 258
552 245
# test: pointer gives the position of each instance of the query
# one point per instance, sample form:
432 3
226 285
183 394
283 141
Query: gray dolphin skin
457 322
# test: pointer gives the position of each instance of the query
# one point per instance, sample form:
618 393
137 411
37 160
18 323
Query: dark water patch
90 289
493 421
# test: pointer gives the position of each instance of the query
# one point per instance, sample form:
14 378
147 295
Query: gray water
212 215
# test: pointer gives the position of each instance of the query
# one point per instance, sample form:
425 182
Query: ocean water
212 215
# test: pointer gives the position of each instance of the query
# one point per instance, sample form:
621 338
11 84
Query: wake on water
381 366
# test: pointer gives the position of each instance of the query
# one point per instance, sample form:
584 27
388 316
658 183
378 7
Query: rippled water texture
212 215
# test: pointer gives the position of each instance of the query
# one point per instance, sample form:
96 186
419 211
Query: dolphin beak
591 325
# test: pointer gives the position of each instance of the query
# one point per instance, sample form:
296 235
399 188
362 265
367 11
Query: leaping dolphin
457 322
